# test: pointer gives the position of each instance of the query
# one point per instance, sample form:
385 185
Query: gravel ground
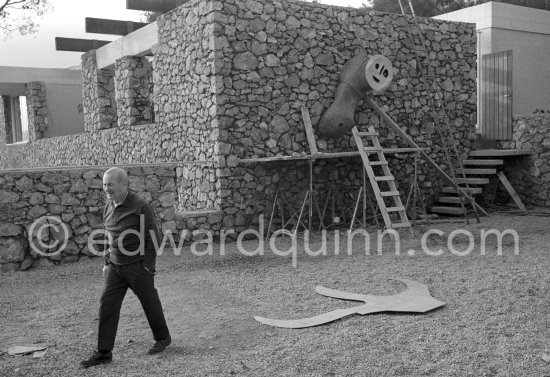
495 322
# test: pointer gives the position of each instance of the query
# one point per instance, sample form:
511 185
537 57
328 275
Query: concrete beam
137 43
23 75
162 6
77 44
13 79
114 27
13 90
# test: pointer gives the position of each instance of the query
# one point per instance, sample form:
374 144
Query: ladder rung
385 178
375 163
389 193
401 225
367 133
395 209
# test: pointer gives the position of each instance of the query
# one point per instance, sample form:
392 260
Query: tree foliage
428 8
20 16
150 16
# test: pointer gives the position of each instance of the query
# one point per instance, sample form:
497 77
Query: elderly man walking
129 263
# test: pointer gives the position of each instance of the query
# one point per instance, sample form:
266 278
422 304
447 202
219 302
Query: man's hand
105 269
149 270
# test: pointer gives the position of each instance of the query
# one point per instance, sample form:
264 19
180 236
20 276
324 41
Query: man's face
114 188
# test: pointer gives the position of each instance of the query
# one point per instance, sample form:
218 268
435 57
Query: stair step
476 171
450 199
472 181
496 153
448 210
376 163
367 133
401 225
395 209
384 178
482 162
473 190
389 193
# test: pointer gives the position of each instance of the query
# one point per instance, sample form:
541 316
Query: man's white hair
119 173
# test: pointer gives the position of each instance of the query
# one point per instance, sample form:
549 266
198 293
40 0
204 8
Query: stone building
204 107
513 94
24 102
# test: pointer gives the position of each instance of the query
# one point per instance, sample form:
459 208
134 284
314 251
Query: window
17 121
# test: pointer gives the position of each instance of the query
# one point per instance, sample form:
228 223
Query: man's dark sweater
131 226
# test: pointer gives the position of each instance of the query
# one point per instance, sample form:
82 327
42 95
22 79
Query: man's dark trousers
118 278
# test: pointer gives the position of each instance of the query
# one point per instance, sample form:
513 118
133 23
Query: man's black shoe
159 346
98 358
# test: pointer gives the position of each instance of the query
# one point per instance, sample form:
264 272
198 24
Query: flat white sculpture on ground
415 299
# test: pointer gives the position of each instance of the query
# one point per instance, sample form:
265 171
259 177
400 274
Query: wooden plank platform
323 155
500 152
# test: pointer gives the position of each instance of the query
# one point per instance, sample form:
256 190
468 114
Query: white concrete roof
13 79
502 16
21 75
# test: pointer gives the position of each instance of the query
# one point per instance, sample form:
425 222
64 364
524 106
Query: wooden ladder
375 180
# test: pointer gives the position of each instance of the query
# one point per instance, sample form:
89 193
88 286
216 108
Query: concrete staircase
477 172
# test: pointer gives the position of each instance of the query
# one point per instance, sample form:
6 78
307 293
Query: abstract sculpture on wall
359 75
415 299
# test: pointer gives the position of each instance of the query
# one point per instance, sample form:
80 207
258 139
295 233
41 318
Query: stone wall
198 187
37 109
273 58
280 56
133 76
121 145
98 95
5 131
75 197
185 90
530 175
184 80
